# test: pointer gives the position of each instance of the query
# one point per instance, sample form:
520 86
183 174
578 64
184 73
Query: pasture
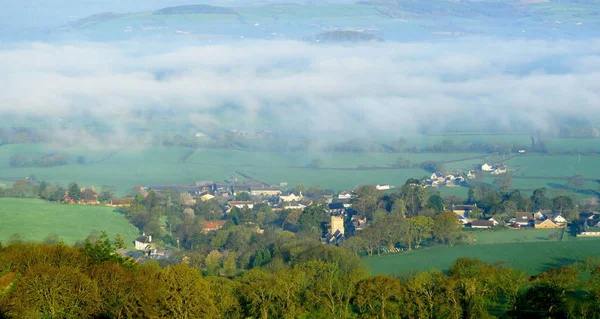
533 257
35 219
125 168
555 166
485 236
162 165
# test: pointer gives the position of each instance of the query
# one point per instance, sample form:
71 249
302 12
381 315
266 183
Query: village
458 178
344 221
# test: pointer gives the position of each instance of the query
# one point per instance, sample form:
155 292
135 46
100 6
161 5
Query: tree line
21 160
303 281
32 188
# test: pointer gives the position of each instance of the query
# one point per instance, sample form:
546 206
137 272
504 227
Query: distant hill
195 9
345 36
96 18
397 20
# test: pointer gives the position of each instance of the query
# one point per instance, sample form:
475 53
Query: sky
365 90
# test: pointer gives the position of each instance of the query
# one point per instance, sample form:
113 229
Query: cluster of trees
31 188
303 281
395 231
494 202
249 237
21 160
412 199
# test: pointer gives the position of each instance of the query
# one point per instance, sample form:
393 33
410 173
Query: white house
383 187
499 171
345 195
471 175
487 168
241 204
291 198
494 222
143 242
539 215
558 219
436 176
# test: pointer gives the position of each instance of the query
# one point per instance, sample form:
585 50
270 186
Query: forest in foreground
40 280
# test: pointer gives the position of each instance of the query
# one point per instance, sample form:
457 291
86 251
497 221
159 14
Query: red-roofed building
212 225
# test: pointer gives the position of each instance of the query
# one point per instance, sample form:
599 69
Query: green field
513 236
160 165
125 168
556 166
533 257
35 219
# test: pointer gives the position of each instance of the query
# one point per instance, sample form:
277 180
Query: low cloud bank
356 91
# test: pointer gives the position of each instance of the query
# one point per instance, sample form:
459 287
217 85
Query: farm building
591 232
143 242
482 224
546 224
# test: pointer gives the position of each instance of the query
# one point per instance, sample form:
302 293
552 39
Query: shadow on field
557 263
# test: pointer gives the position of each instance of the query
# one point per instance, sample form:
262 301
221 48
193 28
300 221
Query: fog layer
384 89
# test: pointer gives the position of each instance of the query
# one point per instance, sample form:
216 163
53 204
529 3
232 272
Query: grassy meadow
486 236
125 168
533 257
161 165
35 219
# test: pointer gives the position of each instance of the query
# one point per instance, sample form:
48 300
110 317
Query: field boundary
248 177
186 155
107 157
